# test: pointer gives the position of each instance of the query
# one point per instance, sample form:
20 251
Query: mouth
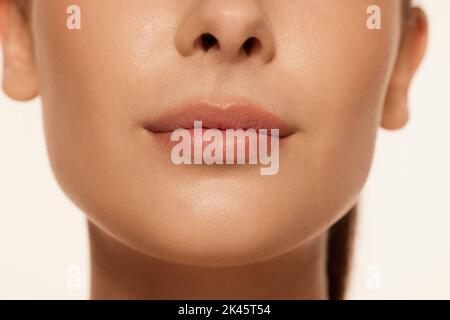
199 117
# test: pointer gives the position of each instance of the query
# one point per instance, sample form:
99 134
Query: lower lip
236 145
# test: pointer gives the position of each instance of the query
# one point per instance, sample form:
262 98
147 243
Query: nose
231 30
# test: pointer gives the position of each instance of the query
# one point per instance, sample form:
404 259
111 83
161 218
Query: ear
412 49
19 70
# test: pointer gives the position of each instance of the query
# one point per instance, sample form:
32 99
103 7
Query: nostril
208 41
251 45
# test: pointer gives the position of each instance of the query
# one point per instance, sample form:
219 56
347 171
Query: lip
230 115
234 114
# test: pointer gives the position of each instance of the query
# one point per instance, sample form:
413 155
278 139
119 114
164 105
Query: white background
403 243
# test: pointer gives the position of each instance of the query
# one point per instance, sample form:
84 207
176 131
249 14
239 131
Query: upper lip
236 114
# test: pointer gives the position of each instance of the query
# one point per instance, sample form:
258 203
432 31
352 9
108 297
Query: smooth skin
161 231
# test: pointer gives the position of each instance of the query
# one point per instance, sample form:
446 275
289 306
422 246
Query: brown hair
340 251
341 236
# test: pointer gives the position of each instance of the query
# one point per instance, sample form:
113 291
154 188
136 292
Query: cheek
90 84
346 97
341 71
118 45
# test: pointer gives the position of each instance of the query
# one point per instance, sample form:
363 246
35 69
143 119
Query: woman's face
316 66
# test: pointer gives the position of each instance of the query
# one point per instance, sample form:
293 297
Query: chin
230 230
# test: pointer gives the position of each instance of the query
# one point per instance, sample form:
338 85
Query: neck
120 272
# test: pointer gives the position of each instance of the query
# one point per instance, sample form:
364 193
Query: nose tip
231 30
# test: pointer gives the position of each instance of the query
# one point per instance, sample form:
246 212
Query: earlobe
19 70
395 113
411 52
